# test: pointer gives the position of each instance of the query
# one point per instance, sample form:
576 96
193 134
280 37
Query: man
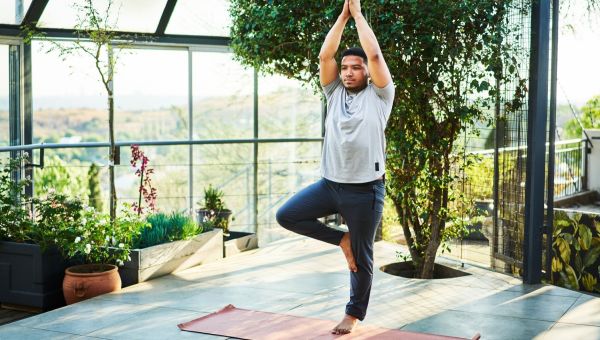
353 159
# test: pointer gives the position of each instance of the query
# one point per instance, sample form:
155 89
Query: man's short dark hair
357 51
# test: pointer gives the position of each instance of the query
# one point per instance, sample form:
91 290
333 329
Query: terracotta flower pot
89 280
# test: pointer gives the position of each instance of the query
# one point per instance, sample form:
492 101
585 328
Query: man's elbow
374 57
323 57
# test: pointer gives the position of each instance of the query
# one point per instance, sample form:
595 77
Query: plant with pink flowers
145 188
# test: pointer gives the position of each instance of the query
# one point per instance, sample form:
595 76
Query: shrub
165 228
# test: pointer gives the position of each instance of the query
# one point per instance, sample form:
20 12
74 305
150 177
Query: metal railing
570 173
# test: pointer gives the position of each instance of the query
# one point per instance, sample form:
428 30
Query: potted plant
31 266
89 239
213 213
169 243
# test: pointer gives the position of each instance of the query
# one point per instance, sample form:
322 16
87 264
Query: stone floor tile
84 317
491 327
562 331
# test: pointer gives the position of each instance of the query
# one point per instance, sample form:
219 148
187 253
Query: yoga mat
248 324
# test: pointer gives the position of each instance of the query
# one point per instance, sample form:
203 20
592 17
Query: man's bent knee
284 219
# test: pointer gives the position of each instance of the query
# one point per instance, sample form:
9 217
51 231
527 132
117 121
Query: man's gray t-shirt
354 147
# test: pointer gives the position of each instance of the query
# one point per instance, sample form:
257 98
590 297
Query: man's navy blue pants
361 206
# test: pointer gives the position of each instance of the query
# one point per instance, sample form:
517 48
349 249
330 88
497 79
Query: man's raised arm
328 70
378 70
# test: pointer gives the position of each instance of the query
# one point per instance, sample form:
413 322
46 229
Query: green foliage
213 211
15 221
55 176
94 192
93 238
590 118
213 199
576 248
79 232
445 57
478 178
165 228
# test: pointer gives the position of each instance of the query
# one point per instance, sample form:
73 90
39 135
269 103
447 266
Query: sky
578 70
165 72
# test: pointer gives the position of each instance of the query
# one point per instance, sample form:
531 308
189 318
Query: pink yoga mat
249 324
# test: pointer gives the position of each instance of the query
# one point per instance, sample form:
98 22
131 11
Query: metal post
255 162
551 135
14 103
536 140
190 133
27 128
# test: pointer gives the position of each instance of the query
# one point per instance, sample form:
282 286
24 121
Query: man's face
355 74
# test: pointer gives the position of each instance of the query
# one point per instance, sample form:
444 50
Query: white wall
593 166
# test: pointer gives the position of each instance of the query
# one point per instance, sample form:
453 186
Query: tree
447 59
95 199
55 176
589 119
96 38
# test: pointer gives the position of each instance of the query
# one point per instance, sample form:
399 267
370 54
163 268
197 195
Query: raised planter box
238 242
163 259
30 277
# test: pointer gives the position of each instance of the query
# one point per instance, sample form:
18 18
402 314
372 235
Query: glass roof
200 17
190 17
130 15
9 13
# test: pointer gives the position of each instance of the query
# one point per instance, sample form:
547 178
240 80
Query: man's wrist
344 17
358 17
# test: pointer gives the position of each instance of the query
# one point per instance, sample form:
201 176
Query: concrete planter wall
238 242
30 277
163 259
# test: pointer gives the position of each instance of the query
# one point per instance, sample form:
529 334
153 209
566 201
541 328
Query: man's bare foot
347 249
346 325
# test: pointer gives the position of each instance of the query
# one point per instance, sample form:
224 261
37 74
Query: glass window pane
4 132
287 108
229 168
283 170
69 100
170 177
12 12
151 95
206 17
223 97
125 15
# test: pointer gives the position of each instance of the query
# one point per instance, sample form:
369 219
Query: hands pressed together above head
355 8
351 9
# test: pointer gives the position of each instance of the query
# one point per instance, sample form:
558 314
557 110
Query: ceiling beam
34 12
166 17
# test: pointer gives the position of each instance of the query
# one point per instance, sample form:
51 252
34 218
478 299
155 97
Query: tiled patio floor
303 277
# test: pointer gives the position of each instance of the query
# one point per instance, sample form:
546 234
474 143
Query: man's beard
357 88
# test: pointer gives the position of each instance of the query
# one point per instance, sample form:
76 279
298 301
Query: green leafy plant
448 60
214 212
56 176
94 195
479 176
589 119
80 232
165 228
88 236
15 221
213 199
576 249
